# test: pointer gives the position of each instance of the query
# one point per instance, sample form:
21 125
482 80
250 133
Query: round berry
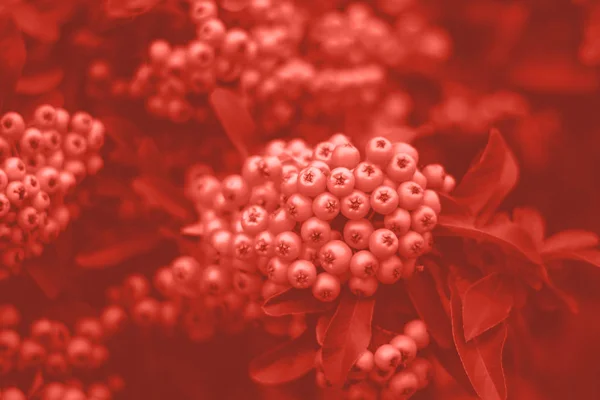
326 206
406 148
356 205
401 167
367 177
423 369
287 246
32 140
280 221
200 54
327 287
449 184
4 205
411 245
335 257
379 151
384 200
315 232
211 31
364 264
235 189
82 123
28 219
16 193
410 195
423 219
12 126
323 152
254 219
14 168
383 243
243 247
387 357
357 233
277 271
363 287
79 352
364 363
311 181
432 200
435 175
406 346
10 317
263 244
390 270
420 179
345 155
417 330
404 384
302 274
48 179
264 195
341 182
299 207
12 393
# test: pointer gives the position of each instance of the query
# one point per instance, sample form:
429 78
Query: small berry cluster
197 302
177 79
314 218
392 371
71 363
41 163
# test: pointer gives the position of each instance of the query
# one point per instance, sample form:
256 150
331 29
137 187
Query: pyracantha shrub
42 163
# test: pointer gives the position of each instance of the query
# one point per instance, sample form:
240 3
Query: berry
410 195
406 346
345 155
379 150
363 287
417 331
287 246
341 182
401 168
311 182
356 205
299 207
423 219
302 274
335 257
326 206
435 175
384 200
367 177
404 383
411 245
357 233
383 243
327 287
387 357
315 232
364 264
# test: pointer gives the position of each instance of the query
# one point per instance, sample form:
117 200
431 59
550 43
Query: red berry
379 151
345 155
287 246
401 167
356 205
311 181
299 207
327 287
435 174
417 330
357 233
12 393
367 177
364 264
411 245
404 383
406 346
384 200
335 257
387 357
363 287
341 182
326 206
315 232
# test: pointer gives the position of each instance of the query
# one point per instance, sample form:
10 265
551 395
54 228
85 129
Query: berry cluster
41 163
314 218
391 371
197 302
176 80
72 364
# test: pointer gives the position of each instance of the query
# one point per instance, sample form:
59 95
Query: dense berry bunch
72 364
41 163
391 371
315 218
176 80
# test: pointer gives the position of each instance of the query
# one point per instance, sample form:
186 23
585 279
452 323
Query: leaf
508 236
286 362
36 386
12 56
40 83
486 304
591 256
451 362
482 357
348 335
321 328
40 26
160 193
490 180
294 301
570 240
235 118
428 304
122 131
118 252
531 221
